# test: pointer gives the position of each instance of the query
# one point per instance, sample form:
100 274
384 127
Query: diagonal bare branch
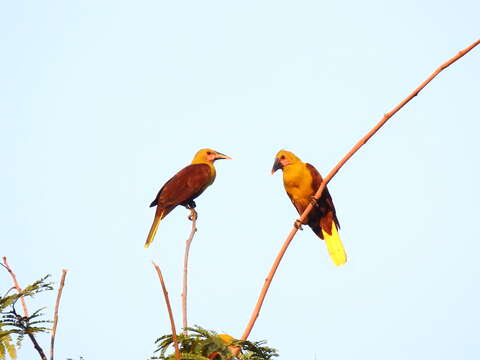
17 286
333 172
169 308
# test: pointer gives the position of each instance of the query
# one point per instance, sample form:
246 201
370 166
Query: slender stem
17 286
193 218
55 316
331 174
169 308
24 306
37 347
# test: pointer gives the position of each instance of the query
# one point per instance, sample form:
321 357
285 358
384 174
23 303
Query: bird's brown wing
184 186
323 215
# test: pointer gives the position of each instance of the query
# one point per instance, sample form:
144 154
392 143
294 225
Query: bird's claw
193 215
191 205
298 224
314 201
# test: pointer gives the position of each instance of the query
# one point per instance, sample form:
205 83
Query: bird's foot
193 215
298 224
314 202
191 205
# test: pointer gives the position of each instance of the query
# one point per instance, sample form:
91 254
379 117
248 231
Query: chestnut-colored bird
185 186
301 181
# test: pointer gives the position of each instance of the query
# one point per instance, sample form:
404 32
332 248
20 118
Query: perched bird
301 181
185 186
226 340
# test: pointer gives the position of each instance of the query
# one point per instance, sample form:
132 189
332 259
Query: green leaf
6 346
12 352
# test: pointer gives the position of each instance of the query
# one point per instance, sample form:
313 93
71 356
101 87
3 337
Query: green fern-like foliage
13 324
202 344
6 346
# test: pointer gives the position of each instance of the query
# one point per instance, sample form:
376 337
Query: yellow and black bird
301 181
185 186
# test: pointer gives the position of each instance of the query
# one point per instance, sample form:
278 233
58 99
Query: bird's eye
209 153
282 157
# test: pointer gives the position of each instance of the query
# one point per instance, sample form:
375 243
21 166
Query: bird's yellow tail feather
335 246
153 229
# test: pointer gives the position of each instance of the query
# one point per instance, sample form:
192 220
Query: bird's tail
335 246
153 229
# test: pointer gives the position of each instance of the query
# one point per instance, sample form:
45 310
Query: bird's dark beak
219 156
276 165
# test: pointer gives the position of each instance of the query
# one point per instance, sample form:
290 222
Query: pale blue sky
101 102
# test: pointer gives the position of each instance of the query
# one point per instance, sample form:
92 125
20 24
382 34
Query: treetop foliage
14 324
202 344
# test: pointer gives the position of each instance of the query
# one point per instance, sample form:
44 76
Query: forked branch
331 174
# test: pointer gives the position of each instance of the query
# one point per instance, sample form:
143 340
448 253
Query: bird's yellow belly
297 194
298 185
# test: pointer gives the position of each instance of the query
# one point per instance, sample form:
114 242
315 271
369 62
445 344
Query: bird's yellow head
204 156
284 158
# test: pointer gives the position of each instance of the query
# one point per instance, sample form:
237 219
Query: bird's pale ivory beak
219 156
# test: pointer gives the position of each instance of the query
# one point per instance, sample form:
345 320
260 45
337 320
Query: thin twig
193 218
331 174
37 346
55 316
169 308
25 310
17 286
